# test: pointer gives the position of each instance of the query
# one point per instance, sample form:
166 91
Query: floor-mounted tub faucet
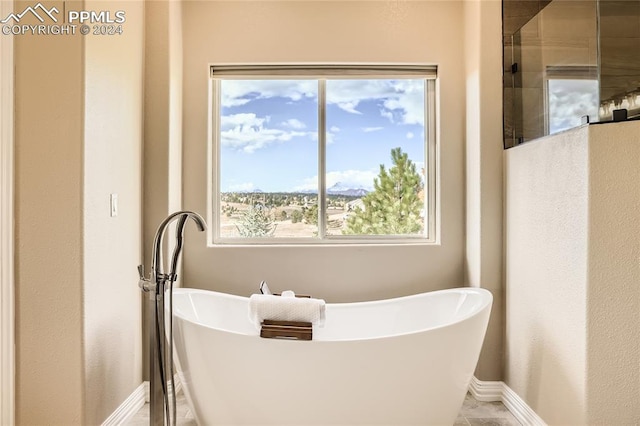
162 399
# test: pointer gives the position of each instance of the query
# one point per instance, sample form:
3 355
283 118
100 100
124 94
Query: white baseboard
499 391
520 409
128 408
133 403
485 391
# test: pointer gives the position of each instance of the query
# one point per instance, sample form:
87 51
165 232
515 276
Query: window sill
310 242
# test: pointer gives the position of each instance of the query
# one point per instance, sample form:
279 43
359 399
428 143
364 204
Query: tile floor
473 413
183 416
476 413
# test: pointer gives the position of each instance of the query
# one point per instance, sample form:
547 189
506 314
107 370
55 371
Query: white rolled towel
286 308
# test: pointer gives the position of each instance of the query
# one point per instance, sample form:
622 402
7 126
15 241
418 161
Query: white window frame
323 73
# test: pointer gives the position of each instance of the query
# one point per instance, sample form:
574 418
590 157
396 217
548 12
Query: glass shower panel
573 61
619 57
554 70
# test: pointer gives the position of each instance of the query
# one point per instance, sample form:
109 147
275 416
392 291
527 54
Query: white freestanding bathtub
404 361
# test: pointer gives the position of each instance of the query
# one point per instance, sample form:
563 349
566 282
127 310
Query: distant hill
336 190
340 189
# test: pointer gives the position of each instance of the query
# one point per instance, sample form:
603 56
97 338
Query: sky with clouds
269 131
569 100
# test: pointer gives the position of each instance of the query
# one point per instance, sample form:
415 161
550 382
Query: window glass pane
375 153
268 158
569 100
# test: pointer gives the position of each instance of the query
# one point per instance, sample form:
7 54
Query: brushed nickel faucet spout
162 388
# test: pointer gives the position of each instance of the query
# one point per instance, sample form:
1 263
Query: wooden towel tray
294 330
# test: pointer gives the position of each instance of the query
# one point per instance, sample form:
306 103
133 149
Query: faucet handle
144 283
264 288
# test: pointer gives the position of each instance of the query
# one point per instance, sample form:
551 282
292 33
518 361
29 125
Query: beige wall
546 277
572 245
112 245
162 116
49 228
483 254
7 233
613 311
162 129
327 31
78 125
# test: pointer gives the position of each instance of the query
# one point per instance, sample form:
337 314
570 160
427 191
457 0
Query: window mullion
431 163
214 136
322 164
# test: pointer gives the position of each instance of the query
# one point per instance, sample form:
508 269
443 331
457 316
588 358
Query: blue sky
269 131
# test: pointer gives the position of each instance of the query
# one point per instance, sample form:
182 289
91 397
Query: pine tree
255 222
310 214
394 206
296 216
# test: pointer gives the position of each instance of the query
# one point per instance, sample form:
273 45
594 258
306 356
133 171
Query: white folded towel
286 308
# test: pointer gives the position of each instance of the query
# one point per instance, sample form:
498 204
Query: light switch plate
113 203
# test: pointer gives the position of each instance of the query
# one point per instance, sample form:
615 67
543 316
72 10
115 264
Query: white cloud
371 129
294 124
352 178
402 101
348 178
246 119
410 135
347 94
330 137
569 100
331 134
409 105
308 184
248 133
387 114
242 187
350 106
241 92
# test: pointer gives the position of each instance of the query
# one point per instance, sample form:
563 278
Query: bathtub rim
487 302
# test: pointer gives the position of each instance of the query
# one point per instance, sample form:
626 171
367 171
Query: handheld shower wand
162 399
